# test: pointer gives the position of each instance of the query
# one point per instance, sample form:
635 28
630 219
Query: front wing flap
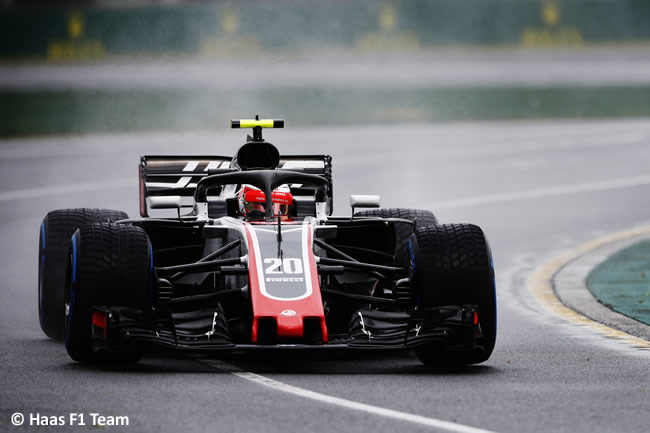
454 328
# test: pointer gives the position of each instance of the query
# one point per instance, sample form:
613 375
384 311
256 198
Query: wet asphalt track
545 375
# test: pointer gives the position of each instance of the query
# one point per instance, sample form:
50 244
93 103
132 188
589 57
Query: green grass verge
622 282
63 111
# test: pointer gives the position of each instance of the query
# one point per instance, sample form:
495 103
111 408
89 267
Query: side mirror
366 201
165 202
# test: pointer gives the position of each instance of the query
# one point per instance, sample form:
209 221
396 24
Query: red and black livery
207 278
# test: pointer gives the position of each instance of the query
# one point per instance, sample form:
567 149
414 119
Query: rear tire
453 266
110 264
56 230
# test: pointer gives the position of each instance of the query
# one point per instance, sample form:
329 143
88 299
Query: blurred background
89 66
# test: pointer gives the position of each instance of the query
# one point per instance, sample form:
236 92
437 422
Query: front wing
452 328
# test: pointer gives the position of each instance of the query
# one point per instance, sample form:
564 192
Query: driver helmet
252 201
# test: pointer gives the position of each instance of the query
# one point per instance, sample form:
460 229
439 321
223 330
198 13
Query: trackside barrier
244 27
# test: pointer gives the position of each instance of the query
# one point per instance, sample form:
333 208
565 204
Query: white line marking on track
347 404
543 192
64 189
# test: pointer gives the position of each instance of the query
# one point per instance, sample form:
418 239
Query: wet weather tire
110 264
453 266
56 230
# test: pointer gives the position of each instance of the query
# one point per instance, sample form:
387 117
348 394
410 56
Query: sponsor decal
285 280
288 313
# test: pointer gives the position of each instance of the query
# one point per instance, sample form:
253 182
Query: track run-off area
538 189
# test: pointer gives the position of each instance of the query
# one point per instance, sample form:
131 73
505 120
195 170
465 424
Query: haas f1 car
249 257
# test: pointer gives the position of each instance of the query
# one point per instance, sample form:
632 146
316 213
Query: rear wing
170 175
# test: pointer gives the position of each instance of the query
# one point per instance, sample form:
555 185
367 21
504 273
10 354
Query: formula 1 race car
249 257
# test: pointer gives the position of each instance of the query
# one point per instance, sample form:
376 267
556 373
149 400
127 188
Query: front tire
453 266
110 264
56 230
